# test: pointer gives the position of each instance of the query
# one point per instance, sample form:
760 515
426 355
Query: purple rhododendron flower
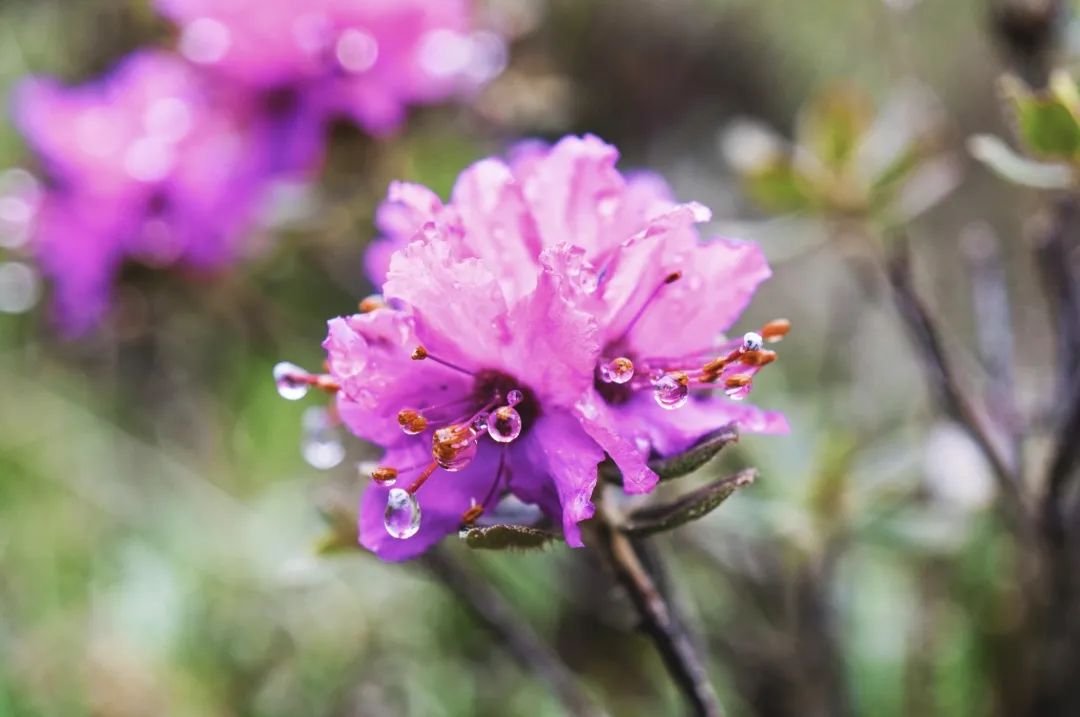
552 312
368 60
150 163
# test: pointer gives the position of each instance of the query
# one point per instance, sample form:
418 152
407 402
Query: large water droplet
454 447
504 425
670 392
287 377
321 444
402 516
618 370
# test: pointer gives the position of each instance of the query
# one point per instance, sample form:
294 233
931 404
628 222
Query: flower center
490 382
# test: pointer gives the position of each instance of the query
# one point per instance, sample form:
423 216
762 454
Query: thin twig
927 338
661 623
492 610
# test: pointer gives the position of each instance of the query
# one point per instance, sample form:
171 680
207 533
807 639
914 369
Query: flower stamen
420 354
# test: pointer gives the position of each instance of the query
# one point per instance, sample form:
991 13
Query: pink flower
562 312
369 59
150 163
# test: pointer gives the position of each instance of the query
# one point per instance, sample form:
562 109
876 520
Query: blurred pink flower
589 293
151 164
368 60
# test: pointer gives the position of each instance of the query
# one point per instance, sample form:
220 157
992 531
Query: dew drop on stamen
752 341
670 393
619 370
514 397
288 387
454 447
383 475
412 422
737 393
402 516
321 445
504 425
480 422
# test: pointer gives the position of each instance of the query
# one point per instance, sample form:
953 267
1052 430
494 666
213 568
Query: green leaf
506 537
777 187
683 463
833 124
1045 123
693 505
1007 164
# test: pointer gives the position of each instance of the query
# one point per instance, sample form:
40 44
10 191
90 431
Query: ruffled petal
617 439
571 457
400 217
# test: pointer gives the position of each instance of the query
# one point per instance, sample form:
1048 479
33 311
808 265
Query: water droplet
402 516
752 341
671 391
383 475
480 423
412 422
454 447
321 444
737 393
504 425
514 397
618 370
286 376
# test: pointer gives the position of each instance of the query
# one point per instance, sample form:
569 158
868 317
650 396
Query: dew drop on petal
618 370
288 387
514 397
402 516
321 444
454 447
504 425
752 341
670 392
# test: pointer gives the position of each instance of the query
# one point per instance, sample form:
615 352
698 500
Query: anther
419 353
411 421
738 380
618 370
775 330
673 277
469 516
758 358
371 303
454 447
385 475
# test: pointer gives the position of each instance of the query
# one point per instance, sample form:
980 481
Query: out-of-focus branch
661 623
490 609
927 339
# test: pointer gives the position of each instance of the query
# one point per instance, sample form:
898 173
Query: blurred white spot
748 145
97 133
321 443
20 288
205 41
487 58
168 118
148 160
444 53
356 50
956 473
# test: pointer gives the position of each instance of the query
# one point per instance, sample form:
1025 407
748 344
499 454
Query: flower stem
661 622
492 610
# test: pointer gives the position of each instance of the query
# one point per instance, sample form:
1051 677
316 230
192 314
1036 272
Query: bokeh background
159 524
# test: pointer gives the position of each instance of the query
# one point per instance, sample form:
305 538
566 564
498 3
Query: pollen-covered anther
411 421
758 358
454 446
470 516
775 330
386 475
673 277
371 303
618 370
419 353
738 380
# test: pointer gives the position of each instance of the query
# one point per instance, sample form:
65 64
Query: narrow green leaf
506 537
683 463
1003 161
693 505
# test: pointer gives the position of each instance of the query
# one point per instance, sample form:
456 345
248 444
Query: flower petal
603 425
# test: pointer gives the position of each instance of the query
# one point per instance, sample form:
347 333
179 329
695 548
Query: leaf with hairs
693 505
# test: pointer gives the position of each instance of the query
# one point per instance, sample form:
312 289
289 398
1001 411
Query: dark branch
490 609
946 386
661 623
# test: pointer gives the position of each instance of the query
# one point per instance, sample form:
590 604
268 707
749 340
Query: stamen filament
669 279
422 478
420 353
